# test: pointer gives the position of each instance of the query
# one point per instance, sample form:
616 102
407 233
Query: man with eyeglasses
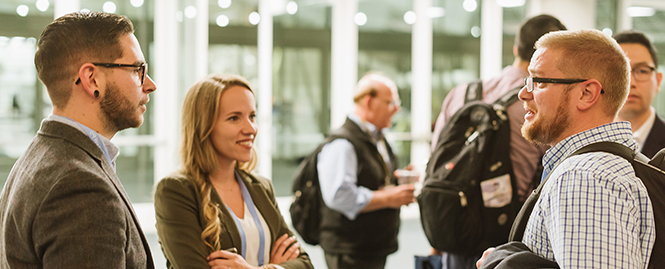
648 128
361 218
63 205
524 156
592 212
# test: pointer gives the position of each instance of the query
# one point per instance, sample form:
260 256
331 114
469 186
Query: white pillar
165 69
491 39
421 86
624 22
574 14
344 60
62 7
264 93
201 40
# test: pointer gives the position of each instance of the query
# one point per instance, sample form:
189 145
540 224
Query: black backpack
649 171
473 148
306 207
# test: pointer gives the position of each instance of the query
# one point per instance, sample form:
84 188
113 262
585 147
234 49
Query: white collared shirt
640 135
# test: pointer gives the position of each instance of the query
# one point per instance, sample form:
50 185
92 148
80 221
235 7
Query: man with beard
63 205
524 156
648 128
593 212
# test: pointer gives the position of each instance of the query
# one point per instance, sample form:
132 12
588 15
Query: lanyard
94 136
255 215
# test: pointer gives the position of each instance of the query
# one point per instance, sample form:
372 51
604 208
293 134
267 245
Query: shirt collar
619 132
111 148
640 135
367 126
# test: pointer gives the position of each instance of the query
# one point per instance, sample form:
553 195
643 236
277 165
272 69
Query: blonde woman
213 206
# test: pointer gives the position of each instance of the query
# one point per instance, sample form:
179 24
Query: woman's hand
281 251
222 259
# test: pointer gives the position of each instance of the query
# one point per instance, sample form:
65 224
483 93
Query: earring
96 93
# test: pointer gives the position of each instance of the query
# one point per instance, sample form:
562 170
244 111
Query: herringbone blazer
64 207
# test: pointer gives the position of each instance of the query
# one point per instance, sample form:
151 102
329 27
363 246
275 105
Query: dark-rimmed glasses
528 82
642 72
142 69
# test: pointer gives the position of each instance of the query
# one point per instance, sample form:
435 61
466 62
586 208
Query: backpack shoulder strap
474 91
509 97
519 226
658 160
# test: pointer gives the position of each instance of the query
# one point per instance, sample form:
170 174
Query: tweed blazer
64 207
180 221
656 139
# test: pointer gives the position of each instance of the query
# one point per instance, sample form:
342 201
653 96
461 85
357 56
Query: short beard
546 133
118 113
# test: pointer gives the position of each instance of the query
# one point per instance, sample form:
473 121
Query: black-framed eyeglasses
642 72
528 82
141 69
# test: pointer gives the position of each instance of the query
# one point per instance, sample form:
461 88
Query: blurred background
303 58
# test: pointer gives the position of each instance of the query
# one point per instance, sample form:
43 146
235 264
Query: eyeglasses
393 103
642 73
141 69
528 82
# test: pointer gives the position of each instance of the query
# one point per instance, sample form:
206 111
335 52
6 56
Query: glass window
23 99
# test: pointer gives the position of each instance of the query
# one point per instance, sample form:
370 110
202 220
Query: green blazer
180 221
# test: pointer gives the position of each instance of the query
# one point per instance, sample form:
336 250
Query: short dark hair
72 40
637 37
531 30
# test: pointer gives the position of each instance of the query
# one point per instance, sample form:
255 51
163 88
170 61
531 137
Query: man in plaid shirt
593 212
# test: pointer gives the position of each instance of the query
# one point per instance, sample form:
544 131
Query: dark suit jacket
656 138
64 207
180 221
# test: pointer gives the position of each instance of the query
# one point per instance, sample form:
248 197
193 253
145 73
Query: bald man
356 173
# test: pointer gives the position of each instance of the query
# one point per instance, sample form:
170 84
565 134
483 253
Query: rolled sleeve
337 165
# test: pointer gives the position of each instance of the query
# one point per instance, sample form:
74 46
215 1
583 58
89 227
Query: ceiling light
254 18
224 3
470 5
222 20
511 3
109 7
291 7
136 3
607 31
22 10
640 11
42 5
360 19
475 31
410 17
190 12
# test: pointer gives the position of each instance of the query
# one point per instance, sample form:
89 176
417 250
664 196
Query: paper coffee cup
406 176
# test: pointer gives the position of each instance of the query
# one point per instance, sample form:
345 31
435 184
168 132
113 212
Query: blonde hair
199 113
590 54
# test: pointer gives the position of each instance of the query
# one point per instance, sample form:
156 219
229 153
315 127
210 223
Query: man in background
63 205
648 128
361 218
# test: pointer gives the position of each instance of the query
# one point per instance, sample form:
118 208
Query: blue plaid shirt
593 212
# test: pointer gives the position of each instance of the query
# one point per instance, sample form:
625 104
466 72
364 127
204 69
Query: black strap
519 226
474 91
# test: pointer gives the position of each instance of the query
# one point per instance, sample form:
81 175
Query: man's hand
391 197
482 259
